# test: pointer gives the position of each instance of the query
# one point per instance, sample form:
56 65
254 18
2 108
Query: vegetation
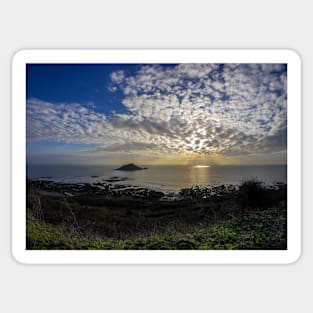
254 217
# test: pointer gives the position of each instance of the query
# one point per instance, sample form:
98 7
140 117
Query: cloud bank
201 109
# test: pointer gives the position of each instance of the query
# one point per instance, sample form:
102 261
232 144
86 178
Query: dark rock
130 167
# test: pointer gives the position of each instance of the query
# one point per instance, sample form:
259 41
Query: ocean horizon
164 177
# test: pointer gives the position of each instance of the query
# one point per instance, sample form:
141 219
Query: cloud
230 109
69 123
117 77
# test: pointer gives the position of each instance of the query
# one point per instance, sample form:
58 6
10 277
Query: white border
21 58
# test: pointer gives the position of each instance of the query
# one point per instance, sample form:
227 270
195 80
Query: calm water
162 177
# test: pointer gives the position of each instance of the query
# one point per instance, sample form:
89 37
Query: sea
165 177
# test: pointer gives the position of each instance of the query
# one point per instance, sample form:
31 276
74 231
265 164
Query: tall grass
60 222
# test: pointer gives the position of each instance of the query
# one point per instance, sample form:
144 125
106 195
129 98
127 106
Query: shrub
251 193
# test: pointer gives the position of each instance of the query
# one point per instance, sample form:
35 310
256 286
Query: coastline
114 187
161 178
112 215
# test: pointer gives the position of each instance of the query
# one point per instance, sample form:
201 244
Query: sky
156 114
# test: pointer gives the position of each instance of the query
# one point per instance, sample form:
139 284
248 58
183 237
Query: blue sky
151 113
79 83
82 83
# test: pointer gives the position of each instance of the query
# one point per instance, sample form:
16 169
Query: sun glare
201 166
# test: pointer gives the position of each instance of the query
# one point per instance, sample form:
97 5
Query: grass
262 230
254 217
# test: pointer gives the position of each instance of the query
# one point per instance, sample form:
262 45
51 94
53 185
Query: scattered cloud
203 109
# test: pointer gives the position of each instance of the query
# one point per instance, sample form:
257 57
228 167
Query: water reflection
166 177
199 175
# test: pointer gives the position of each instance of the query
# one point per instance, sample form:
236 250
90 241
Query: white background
159 24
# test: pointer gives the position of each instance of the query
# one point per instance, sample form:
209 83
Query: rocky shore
113 188
120 216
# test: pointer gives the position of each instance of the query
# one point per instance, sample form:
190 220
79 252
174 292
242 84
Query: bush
251 193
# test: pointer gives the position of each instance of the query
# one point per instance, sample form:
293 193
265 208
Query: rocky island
130 167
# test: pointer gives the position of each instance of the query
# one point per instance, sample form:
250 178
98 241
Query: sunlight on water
171 178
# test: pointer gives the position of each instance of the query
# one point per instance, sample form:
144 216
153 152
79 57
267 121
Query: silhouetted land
130 167
114 216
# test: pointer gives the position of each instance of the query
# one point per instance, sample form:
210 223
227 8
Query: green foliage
252 217
42 236
264 229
